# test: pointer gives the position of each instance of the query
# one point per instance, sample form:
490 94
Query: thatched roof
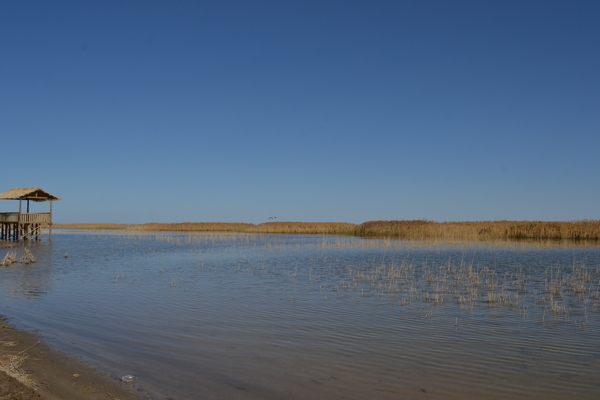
35 194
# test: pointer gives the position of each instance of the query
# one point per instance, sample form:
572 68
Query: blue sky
236 111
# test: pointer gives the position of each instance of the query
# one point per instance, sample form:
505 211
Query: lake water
216 316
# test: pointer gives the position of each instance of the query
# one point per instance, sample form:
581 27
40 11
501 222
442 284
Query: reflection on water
295 317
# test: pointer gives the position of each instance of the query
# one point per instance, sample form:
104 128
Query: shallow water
296 317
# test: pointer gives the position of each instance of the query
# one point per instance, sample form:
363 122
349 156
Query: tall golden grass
410 229
89 226
152 226
193 227
338 228
486 230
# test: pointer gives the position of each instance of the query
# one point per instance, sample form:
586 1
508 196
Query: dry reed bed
89 226
339 228
152 226
486 230
414 230
193 227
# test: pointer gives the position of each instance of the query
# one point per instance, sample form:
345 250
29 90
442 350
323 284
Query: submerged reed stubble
568 294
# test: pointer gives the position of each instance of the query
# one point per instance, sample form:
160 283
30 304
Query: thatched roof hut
35 194
25 225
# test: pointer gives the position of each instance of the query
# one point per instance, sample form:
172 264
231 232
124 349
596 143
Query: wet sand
44 373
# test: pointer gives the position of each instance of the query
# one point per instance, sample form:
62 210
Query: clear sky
237 111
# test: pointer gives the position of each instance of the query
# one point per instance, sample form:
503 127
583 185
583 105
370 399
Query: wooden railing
26 218
9 217
37 218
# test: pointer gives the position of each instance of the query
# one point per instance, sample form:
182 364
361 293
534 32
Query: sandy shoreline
31 369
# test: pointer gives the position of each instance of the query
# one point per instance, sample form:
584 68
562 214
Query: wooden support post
19 220
50 233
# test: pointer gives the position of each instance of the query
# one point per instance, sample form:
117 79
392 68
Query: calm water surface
297 317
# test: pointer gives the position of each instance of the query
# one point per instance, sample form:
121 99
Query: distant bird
272 217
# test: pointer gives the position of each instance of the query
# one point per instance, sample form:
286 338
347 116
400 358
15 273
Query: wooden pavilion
25 225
